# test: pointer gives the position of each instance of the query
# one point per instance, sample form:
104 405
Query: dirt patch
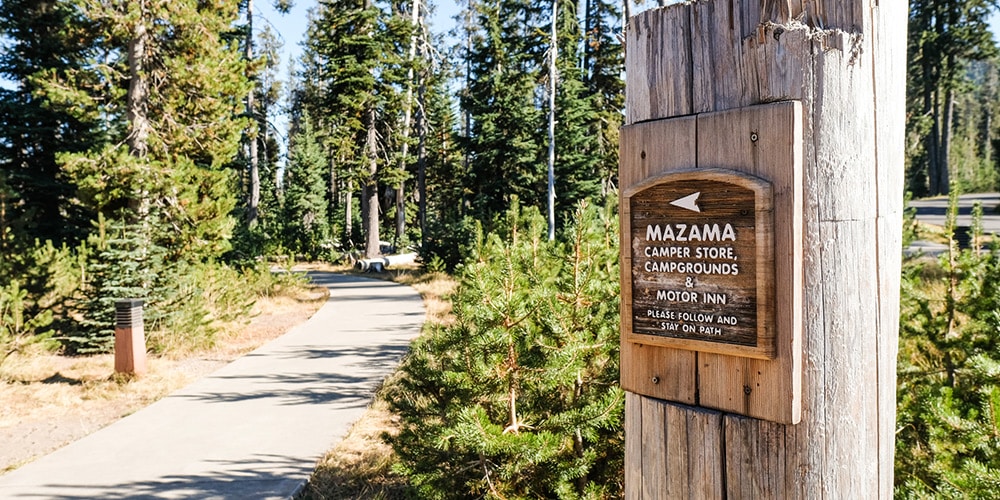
49 400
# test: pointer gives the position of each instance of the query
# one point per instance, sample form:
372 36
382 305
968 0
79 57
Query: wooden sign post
761 180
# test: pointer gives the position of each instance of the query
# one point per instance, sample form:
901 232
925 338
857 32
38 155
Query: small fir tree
519 397
948 394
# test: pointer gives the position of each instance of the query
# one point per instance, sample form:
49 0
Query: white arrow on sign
689 202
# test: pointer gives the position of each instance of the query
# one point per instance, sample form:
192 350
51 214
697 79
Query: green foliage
307 227
124 265
448 242
19 329
946 38
948 394
519 397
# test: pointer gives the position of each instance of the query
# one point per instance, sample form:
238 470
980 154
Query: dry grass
360 466
48 400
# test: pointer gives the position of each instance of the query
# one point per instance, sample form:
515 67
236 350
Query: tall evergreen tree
944 36
352 64
603 64
306 224
505 62
44 39
579 149
182 124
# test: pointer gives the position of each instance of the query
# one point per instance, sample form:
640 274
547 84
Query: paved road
933 210
253 429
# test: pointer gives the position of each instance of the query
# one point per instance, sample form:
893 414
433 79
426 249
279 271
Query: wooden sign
702 262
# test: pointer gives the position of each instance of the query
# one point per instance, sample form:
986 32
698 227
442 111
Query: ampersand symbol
689 282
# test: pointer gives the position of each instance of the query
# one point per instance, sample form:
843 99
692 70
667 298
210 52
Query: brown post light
130 338
759 362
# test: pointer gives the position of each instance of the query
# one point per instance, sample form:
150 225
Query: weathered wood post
761 178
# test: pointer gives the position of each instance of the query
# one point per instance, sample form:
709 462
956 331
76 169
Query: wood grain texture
843 60
890 96
648 150
725 197
651 94
654 450
633 445
768 389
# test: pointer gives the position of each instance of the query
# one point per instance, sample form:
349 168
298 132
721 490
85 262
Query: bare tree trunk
369 196
349 211
407 114
421 124
137 113
253 205
553 77
138 89
932 143
944 180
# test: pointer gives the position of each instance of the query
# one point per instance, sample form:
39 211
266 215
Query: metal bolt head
656 380
753 137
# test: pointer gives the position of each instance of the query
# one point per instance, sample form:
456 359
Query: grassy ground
360 466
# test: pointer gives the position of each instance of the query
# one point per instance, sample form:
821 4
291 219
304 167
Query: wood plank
654 450
653 66
850 367
678 452
705 444
764 141
633 446
755 462
648 149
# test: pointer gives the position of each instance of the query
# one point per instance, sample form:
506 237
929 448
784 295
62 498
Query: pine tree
944 36
183 122
504 144
578 145
353 75
44 39
948 395
307 230
519 398
603 64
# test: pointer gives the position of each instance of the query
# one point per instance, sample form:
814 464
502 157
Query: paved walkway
253 429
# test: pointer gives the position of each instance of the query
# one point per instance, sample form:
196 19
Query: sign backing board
702 275
763 142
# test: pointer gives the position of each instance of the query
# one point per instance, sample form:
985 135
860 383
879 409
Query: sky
292 28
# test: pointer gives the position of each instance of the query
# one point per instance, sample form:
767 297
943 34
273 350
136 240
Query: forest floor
49 400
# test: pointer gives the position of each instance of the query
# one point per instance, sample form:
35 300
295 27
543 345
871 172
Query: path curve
255 428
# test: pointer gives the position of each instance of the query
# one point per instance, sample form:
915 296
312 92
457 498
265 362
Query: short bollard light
130 339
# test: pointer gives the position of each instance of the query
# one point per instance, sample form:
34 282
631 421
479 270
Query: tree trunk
407 113
843 61
421 124
944 177
553 77
138 89
349 212
253 205
137 112
369 192
932 145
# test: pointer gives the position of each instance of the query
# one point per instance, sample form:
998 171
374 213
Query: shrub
948 396
18 330
519 397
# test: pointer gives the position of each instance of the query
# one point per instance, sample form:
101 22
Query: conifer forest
141 156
